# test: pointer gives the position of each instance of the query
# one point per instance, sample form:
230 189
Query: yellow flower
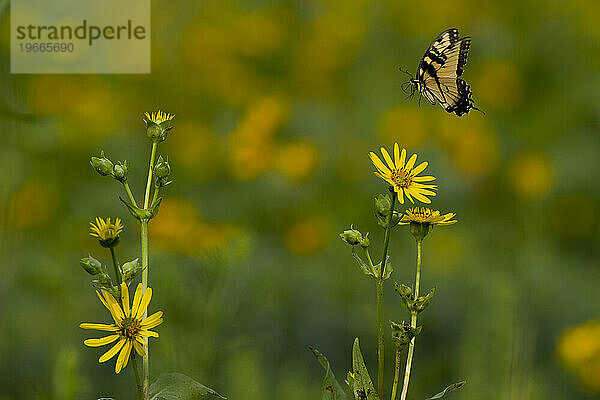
403 176
130 328
159 117
424 215
106 232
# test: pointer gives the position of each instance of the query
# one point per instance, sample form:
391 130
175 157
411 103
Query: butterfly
438 74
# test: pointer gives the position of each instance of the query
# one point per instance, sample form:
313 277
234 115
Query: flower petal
139 348
113 307
123 357
99 327
402 159
379 164
148 334
101 341
411 162
137 297
397 155
144 303
387 158
423 178
110 353
400 195
125 298
420 168
152 321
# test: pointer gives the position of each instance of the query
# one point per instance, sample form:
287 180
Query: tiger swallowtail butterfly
439 70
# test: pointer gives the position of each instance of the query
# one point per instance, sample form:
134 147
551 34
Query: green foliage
450 388
363 386
176 386
332 390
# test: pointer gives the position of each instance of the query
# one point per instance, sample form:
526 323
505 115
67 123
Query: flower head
129 328
106 231
158 117
402 175
421 219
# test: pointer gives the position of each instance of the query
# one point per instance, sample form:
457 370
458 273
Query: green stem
116 266
129 193
138 382
379 289
150 170
396 373
413 323
144 240
155 196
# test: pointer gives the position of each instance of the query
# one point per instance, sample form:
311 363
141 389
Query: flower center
401 178
421 214
130 328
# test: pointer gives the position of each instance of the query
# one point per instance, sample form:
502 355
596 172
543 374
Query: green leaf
365 269
175 386
332 390
450 388
363 386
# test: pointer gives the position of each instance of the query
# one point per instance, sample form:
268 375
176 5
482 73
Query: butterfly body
439 71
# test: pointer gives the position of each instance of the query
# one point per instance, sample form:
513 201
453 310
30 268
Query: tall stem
379 290
396 372
138 382
116 266
144 239
413 323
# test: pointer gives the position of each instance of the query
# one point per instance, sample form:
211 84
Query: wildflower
403 176
157 125
129 328
421 219
425 215
106 232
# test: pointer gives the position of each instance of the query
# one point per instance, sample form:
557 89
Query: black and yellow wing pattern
439 71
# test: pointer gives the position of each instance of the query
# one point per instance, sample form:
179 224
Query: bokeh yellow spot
405 125
179 228
531 175
32 205
573 216
579 351
297 160
251 143
471 143
499 85
306 237
196 148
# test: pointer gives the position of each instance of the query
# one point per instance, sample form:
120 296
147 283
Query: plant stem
145 250
396 373
413 323
116 266
379 290
155 196
150 170
138 382
129 193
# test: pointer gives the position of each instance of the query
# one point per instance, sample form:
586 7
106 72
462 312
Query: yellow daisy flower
159 117
129 329
106 232
403 176
424 215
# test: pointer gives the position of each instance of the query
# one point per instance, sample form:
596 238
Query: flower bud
104 279
91 265
121 171
419 230
102 165
365 242
158 124
383 205
351 236
131 269
403 333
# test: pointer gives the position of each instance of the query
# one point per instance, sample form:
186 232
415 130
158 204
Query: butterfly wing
439 71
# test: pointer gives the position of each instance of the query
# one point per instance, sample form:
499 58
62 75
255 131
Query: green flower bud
158 124
102 165
383 205
104 279
91 265
121 171
365 242
351 236
419 230
131 269
162 170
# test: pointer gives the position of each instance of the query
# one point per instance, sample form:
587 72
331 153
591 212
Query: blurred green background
277 105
